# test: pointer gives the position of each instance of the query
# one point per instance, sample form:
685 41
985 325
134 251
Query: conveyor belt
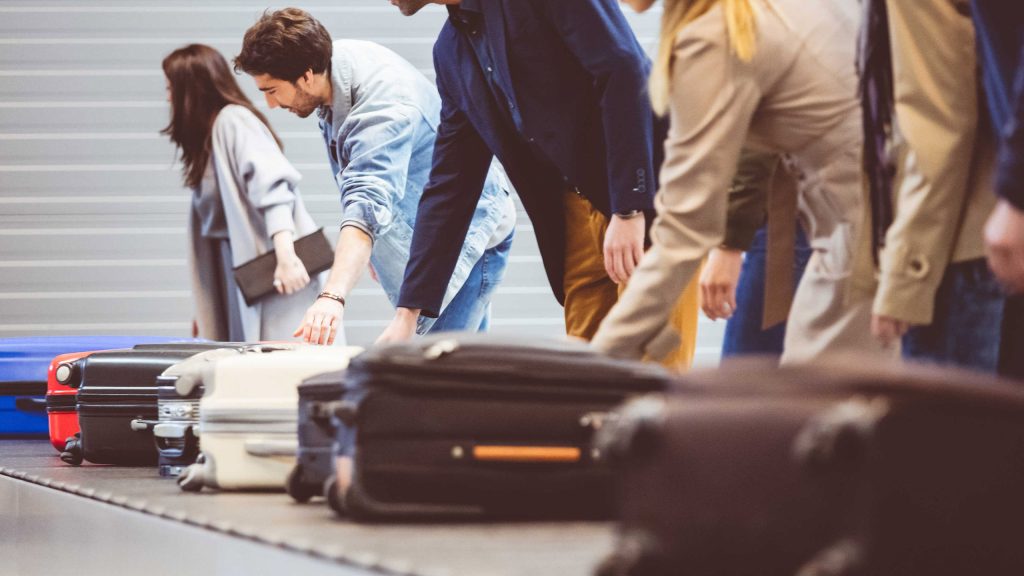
95 518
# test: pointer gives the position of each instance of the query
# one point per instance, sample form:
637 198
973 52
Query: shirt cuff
364 215
639 195
278 218
360 225
427 309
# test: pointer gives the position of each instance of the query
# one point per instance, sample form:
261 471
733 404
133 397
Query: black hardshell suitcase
313 474
845 469
116 388
478 425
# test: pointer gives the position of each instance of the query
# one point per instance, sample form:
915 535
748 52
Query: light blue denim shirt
379 131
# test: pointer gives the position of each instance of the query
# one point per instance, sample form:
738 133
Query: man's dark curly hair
284 44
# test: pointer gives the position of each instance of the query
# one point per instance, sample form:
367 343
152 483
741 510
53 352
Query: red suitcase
60 399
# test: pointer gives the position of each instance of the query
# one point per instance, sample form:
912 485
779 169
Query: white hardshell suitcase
248 417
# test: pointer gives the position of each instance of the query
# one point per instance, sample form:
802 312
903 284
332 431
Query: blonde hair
676 14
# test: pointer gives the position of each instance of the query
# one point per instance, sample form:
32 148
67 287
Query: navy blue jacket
1000 33
561 100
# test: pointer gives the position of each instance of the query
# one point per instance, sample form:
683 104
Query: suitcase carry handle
30 404
140 425
264 448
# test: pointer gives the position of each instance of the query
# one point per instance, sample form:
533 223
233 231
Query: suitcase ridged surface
424 414
117 387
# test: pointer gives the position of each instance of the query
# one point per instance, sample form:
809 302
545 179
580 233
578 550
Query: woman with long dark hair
245 200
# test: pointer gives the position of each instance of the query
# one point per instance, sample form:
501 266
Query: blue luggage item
23 366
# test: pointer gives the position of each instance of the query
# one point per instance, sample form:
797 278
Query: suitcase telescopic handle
30 404
264 448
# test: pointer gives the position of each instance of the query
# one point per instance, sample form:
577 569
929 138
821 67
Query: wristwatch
629 215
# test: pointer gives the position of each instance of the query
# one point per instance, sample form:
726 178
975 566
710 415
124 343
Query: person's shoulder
233 114
356 49
705 33
235 118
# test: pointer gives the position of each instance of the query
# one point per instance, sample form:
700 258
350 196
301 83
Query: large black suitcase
479 425
842 469
116 388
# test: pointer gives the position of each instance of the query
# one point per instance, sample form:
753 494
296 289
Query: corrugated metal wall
92 212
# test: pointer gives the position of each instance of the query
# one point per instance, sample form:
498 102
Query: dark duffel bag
839 469
116 388
477 425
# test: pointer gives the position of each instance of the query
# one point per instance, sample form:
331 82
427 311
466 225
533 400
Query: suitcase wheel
72 453
296 488
191 479
334 498
636 554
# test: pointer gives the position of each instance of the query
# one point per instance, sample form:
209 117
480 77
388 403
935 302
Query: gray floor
60 520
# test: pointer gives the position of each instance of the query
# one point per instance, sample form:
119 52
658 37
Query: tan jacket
943 187
797 96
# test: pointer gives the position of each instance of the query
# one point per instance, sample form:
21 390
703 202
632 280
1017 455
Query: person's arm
936 120
378 146
1010 164
1004 231
710 120
600 38
460 165
271 185
598 35
748 199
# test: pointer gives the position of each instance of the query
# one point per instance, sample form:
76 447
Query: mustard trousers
590 293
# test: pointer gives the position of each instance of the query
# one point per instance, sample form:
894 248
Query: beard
303 104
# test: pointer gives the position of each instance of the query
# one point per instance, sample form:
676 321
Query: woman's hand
888 330
290 276
322 322
718 283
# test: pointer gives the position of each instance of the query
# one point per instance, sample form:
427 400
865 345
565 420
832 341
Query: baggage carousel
57 519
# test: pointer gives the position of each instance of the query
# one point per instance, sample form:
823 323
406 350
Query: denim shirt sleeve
597 34
460 166
378 145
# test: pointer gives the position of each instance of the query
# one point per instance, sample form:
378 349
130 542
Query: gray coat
248 193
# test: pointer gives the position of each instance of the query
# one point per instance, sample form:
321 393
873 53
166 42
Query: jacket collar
342 89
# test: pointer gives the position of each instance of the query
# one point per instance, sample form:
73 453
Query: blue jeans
743 333
470 310
971 316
